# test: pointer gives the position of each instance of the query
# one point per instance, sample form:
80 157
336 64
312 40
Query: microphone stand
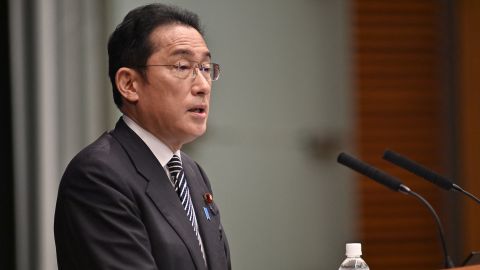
392 183
448 261
468 194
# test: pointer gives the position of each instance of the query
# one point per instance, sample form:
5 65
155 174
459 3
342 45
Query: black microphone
425 173
394 184
372 172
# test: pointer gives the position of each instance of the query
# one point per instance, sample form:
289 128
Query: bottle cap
353 249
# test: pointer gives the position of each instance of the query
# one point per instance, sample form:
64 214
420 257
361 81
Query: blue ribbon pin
207 214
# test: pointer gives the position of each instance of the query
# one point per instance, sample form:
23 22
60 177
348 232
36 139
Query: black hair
130 45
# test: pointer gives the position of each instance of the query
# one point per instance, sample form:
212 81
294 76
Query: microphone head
371 172
417 169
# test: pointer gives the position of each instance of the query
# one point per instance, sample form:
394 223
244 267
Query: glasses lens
182 69
210 71
215 71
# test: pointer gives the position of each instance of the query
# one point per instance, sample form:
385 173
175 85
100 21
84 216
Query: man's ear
127 81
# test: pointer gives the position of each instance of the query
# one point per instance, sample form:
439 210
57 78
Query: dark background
7 232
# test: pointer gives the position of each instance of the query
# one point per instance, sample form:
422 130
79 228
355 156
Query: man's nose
201 85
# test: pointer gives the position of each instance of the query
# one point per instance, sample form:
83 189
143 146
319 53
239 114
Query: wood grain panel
398 106
469 117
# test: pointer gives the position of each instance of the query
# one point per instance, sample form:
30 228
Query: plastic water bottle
354 259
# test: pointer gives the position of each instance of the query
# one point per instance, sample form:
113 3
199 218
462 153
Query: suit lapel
159 188
209 228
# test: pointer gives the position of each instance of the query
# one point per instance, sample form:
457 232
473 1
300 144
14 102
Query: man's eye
183 67
205 68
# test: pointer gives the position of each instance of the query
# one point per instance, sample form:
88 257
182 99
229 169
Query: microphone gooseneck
468 194
425 173
394 184
448 263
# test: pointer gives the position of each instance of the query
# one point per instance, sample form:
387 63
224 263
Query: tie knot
174 165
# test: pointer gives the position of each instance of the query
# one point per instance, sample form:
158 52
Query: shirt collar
159 149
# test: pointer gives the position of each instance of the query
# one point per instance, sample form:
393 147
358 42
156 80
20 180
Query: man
132 199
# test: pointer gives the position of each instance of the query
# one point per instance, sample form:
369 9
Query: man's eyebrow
190 53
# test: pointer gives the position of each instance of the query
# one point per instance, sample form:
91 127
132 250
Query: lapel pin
208 197
207 215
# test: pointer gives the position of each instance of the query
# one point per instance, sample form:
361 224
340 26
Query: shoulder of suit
103 148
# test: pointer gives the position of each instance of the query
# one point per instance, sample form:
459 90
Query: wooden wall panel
398 106
469 117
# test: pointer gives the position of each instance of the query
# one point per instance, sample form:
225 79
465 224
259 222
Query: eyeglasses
210 71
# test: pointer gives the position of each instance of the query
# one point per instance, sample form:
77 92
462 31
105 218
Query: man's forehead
187 52
179 40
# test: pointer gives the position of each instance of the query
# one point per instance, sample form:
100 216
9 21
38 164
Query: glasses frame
195 65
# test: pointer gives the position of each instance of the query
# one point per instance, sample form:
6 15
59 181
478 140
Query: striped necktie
180 182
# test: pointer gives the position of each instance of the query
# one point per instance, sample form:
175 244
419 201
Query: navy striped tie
181 187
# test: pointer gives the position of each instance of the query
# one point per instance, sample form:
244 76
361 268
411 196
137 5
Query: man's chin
200 132
196 133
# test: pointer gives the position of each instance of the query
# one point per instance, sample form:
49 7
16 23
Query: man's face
175 110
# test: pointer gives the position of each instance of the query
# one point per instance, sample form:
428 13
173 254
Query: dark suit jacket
117 209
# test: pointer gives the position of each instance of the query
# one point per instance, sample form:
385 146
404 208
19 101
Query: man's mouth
197 110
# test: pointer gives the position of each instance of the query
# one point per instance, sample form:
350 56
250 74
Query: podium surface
470 267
